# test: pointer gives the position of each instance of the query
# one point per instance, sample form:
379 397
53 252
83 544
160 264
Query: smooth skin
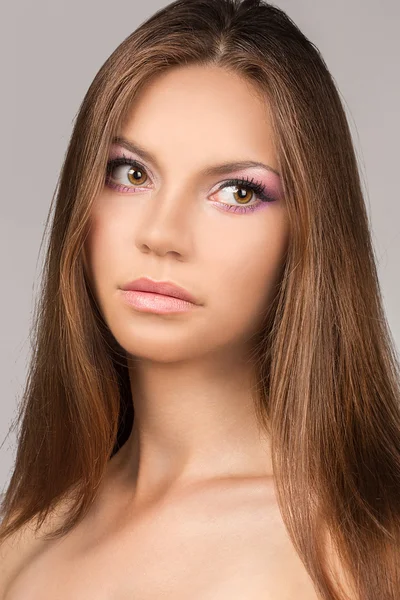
187 508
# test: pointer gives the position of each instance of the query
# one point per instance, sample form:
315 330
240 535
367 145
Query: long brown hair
326 368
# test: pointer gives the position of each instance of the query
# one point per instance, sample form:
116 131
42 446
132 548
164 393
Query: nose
167 224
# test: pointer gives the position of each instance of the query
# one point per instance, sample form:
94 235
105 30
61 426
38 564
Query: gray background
50 52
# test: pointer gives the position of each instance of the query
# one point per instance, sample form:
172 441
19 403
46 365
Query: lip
166 288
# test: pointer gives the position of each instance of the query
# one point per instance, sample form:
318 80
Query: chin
162 349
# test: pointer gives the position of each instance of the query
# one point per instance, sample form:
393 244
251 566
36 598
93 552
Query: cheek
247 268
109 227
104 253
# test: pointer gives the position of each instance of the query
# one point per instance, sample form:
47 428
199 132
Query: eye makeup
257 188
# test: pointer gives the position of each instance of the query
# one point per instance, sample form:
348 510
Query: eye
134 178
123 178
244 191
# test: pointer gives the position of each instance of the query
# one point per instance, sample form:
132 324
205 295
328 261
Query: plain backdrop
51 51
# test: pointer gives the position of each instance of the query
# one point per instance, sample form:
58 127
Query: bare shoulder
22 546
14 551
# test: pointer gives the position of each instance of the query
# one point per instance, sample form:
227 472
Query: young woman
212 409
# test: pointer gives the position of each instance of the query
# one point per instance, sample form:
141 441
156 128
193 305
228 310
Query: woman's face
168 219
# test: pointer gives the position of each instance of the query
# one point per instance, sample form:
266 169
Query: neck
194 421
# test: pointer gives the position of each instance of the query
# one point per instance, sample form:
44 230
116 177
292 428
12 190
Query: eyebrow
213 170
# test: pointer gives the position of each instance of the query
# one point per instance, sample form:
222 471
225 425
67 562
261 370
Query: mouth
164 288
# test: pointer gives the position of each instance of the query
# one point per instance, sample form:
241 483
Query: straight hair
328 377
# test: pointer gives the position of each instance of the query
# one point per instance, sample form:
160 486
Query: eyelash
257 187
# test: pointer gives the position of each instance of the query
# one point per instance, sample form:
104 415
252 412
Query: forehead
202 109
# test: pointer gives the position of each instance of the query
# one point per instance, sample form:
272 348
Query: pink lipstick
160 297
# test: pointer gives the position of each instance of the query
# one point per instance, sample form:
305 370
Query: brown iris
135 175
243 195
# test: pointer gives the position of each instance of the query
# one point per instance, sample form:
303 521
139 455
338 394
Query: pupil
136 173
